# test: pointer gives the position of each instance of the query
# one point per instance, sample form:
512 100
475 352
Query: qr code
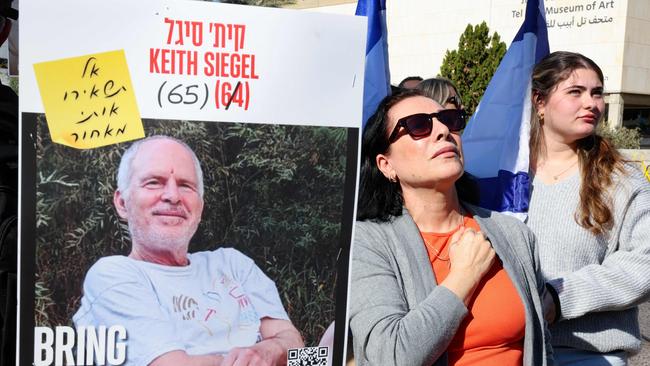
307 356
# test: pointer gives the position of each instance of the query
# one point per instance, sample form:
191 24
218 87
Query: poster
269 100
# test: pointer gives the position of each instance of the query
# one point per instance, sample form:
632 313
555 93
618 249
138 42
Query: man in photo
179 308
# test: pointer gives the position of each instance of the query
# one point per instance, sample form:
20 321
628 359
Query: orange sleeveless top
492 333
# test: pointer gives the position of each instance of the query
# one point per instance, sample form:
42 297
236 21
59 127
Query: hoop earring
393 179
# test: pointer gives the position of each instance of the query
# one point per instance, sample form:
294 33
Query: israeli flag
495 141
377 76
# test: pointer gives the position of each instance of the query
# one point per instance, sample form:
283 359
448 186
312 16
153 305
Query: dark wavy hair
379 198
597 156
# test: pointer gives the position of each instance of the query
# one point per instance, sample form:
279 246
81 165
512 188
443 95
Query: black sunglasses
420 125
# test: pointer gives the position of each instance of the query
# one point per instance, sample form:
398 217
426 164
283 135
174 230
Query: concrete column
615 114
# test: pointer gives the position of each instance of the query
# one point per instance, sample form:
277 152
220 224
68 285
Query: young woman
436 280
590 212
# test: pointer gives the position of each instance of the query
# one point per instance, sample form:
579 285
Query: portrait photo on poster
271 240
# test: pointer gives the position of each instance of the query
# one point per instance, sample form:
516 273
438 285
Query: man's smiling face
162 204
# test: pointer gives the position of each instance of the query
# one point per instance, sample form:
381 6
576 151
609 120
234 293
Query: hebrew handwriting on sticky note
89 100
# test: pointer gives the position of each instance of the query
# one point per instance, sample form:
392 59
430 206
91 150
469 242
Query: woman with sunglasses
442 91
590 212
436 280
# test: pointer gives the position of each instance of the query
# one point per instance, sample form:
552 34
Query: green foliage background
267 3
472 65
621 137
273 192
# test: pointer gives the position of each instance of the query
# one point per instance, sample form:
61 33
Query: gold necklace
437 253
556 176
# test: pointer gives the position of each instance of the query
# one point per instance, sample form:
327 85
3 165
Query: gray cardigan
398 314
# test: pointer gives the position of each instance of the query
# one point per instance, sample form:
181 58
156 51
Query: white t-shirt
209 306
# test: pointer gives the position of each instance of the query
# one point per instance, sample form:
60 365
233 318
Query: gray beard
157 241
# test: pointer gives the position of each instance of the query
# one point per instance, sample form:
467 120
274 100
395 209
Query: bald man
207 308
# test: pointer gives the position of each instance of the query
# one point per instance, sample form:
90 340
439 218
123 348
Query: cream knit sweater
601 279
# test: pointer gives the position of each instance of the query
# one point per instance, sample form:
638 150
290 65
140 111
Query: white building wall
614 33
636 59
420 31
345 9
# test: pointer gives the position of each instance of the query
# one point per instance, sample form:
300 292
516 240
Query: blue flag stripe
377 76
534 22
503 193
496 139
374 22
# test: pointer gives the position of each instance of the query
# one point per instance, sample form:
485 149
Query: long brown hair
598 158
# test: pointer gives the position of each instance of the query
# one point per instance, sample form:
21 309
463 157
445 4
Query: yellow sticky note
89 100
